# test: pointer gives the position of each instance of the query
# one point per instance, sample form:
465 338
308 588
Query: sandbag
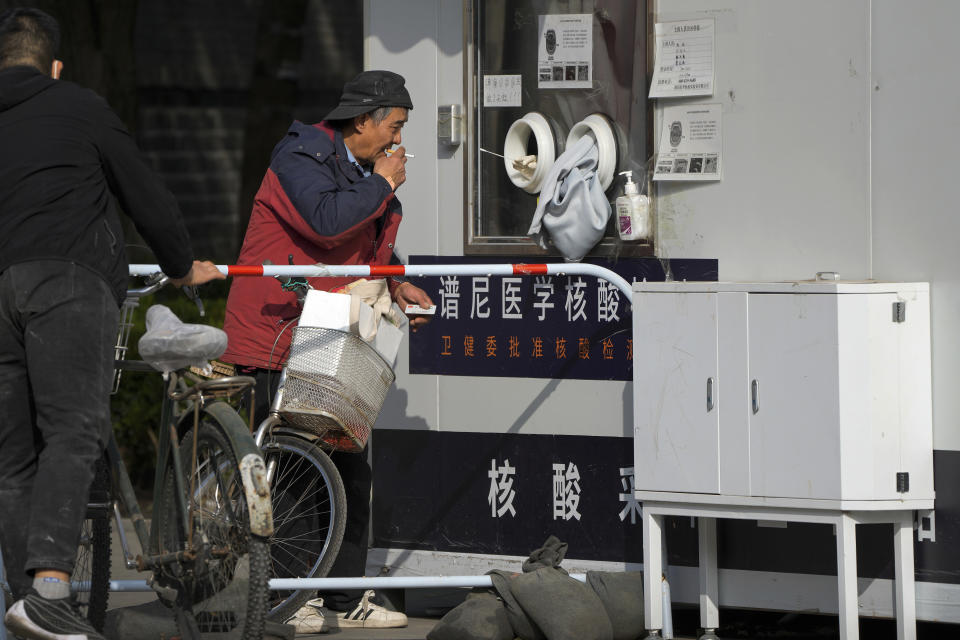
482 616
622 596
563 608
521 624
551 554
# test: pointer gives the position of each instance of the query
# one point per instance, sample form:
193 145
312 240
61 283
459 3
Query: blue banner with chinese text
568 327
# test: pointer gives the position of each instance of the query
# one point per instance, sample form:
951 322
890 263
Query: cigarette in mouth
390 152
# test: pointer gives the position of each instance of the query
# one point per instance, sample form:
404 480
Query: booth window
612 87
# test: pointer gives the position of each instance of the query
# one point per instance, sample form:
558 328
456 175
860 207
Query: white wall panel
402 37
793 81
839 138
526 405
916 140
406 37
422 40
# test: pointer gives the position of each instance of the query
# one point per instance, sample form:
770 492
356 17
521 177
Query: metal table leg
709 585
652 568
846 534
905 593
847 576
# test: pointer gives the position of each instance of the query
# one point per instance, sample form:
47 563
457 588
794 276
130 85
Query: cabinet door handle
709 395
755 393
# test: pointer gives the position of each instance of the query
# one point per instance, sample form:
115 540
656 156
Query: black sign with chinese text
504 493
568 327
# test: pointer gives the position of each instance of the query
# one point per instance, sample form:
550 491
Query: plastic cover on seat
170 344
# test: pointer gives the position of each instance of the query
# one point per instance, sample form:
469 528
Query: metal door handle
755 392
709 395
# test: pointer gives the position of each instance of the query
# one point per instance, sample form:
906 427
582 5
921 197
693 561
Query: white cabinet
810 391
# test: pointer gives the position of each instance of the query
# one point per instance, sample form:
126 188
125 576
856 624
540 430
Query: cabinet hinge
899 311
903 481
926 525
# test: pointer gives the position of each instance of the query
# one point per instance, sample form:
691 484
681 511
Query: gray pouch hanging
573 210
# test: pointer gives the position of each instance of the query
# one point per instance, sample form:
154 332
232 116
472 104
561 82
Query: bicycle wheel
91 571
309 515
221 582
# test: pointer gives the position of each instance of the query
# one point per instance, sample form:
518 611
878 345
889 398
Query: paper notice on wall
565 51
502 91
691 143
683 59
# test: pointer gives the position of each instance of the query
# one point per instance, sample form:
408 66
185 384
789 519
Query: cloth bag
376 295
572 210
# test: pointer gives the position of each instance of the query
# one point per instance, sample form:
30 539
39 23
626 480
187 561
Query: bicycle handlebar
160 281
149 288
380 271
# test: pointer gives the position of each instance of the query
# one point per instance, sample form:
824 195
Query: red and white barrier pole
414 270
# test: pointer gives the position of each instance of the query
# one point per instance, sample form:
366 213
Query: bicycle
207 544
344 394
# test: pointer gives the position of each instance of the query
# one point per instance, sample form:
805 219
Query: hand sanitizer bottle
633 212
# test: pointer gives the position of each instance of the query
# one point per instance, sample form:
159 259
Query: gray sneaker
37 618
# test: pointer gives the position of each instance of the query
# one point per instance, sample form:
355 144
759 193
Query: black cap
371 90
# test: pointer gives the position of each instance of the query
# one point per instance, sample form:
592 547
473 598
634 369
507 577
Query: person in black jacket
67 169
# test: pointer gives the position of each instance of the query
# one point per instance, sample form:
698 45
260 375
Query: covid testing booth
772 406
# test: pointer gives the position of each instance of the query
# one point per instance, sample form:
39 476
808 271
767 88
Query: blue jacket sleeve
312 187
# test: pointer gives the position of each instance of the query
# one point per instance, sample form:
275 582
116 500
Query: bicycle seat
170 344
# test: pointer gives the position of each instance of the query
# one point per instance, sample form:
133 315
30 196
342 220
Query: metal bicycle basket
335 386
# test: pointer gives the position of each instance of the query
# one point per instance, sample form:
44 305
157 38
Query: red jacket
315 205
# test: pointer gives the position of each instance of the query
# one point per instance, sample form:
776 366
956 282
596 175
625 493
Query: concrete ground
140 616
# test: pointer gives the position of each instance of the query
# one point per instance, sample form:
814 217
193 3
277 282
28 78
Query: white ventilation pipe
598 127
517 144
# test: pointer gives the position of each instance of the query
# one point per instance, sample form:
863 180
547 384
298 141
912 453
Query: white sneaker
310 617
367 615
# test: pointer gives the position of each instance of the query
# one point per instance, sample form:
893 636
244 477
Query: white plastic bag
170 344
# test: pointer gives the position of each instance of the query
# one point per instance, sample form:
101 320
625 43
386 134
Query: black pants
357 478
58 324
